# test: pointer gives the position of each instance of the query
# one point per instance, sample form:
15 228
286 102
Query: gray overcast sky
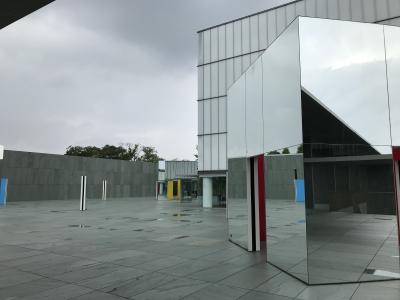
91 72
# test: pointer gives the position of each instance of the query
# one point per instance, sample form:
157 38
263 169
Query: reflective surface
343 67
237 202
348 169
281 83
351 216
392 38
253 109
286 224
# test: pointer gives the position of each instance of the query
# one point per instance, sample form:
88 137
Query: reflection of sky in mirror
392 38
343 65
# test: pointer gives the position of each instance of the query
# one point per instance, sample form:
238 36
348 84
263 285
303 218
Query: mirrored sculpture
329 131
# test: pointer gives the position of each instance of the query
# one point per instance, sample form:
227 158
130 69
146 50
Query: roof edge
248 16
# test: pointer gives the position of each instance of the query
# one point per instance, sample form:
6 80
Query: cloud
99 71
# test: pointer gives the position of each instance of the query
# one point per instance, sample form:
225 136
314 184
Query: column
207 192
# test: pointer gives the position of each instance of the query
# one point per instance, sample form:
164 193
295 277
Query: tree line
132 152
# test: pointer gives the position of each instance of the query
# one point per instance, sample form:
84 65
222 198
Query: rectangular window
271 26
222 114
207 82
207 116
214 115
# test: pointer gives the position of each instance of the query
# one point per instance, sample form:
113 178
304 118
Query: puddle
79 226
181 237
184 221
138 229
180 215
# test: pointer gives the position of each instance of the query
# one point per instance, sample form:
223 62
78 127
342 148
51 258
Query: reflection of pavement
286 236
341 246
237 220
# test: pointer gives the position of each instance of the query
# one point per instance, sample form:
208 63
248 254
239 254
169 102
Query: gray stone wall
37 176
279 175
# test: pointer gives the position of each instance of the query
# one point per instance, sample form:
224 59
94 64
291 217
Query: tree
89 151
274 152
300 149
132 152
149 154
197 152
285 151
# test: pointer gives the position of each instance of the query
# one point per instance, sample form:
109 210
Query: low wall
37 176
279 175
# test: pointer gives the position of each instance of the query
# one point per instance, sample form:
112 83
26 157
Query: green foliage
124 152
285 151
149 154
300 149
274 152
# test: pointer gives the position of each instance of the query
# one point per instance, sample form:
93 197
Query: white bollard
83 193
104 194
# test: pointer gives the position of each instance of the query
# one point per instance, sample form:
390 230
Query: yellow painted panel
179 190
170 190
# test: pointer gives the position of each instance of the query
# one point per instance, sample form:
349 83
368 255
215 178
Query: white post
104 193
207 192
83 193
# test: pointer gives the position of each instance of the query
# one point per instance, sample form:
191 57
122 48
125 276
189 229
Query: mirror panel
286 224
236 203
343 68
392 39
281 91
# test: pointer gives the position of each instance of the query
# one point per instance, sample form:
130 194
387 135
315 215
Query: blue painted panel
299 186
3 191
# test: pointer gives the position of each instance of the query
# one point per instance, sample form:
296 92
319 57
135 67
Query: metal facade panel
290 13
214 79
382 9
207 116
222 151
254 35
200 151
222 114
214 44
333 9
200 119
200 48
344 10
200 87
214 152
214 115
237 38
394 8
300 8
229 39
272 31
207 46
262 30
221 42
369 10
357 10
222 78
207 153
245 36
207 81
322 9
311 8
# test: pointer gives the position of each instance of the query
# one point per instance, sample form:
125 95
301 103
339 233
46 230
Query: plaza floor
142 249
